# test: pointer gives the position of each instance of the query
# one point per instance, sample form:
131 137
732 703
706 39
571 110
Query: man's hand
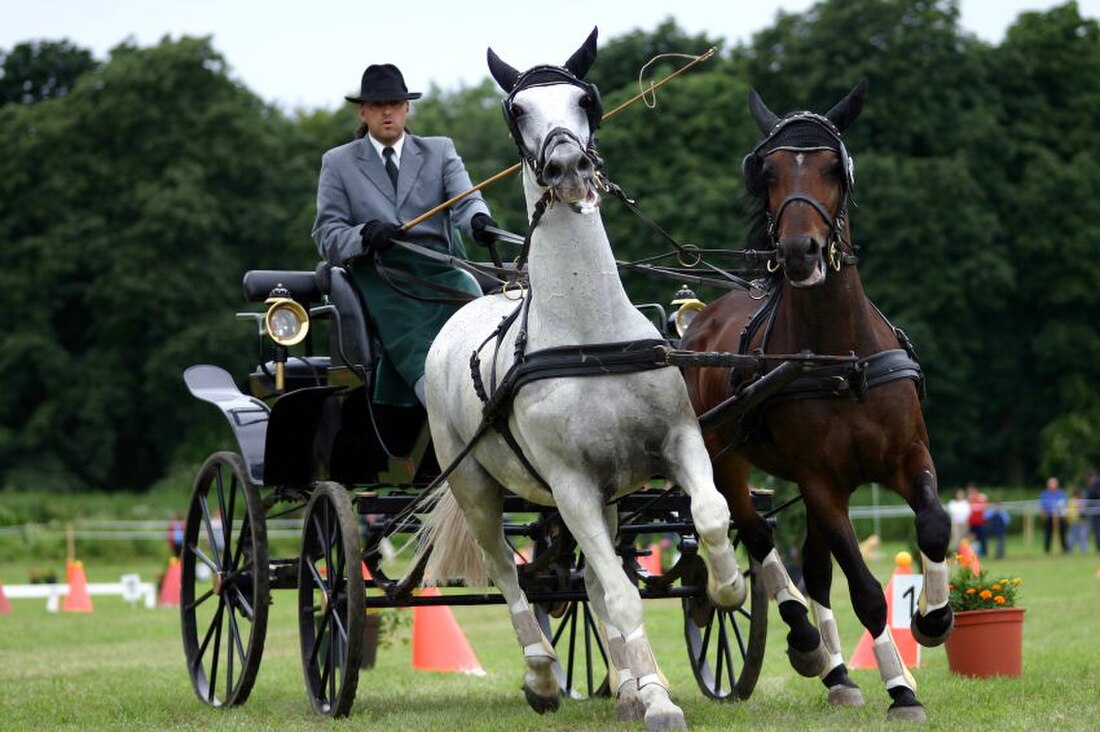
478 224
378 235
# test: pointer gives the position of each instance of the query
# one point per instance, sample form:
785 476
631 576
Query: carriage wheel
224 592
331 600
725 647
581 649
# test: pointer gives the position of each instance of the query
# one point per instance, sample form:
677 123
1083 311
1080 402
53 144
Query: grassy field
122 667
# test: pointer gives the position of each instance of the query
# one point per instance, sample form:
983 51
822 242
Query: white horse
586 439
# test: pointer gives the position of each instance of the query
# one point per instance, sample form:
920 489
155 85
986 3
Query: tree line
137 189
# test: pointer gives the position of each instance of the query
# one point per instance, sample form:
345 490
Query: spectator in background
1052 508
175 535
996 527
978 503
958 508
1077 528
1092 505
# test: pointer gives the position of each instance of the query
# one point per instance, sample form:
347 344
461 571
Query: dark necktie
391 167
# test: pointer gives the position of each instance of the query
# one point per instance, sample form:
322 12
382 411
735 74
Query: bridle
547 76
817 133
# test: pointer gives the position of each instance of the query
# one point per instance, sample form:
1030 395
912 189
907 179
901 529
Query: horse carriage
572 402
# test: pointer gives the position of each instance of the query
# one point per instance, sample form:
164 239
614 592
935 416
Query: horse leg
831 511
481 501
691 469
817 572
628 704
581 505
934 620
805 650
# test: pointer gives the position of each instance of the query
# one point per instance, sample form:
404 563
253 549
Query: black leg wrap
805 650
932 629
803 636
839 677
905 708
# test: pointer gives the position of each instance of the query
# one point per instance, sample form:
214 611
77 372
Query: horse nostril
584 165
553 171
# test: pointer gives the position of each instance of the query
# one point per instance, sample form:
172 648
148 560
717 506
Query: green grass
122 667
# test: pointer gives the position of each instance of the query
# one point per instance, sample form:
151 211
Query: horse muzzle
570 171
803 259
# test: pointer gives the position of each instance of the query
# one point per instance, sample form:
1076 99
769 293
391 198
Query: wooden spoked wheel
224 583
330 600
725 647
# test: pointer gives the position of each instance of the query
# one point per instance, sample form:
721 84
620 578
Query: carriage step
284 574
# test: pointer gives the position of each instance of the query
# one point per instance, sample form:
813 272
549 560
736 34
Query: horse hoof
809 663
672 718
932 629
629 708
541 704
846 696
907 714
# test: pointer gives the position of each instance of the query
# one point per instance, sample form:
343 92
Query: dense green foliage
135 191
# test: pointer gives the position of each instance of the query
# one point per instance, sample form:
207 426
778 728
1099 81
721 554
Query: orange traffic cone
908 648
78 600
438 642
652 562
5 604
170 585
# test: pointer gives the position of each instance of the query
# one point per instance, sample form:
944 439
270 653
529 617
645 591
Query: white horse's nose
568 170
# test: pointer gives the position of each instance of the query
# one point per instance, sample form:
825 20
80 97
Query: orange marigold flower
970 590
996 588
999 599
986 594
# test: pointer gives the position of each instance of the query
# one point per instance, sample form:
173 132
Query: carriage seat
351 337
302 285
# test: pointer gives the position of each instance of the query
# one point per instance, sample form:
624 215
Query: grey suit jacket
353 188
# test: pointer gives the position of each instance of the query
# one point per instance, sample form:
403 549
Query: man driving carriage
367 188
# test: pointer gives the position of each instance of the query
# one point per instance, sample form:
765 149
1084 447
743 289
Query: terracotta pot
987 643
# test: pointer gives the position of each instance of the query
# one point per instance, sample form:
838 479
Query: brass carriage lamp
287 322
688 306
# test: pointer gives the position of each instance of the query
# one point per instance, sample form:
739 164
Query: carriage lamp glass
286 321
689 307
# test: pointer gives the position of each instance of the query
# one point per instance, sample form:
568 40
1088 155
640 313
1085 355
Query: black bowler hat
383 83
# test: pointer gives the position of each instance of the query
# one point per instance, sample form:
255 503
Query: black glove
378 235
477 226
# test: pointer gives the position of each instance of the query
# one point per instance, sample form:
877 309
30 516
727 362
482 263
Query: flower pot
987 643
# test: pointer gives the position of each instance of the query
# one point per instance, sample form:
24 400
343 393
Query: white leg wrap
830 636
777 583
724 562
616 649
530 635
641 658
934 591
890 666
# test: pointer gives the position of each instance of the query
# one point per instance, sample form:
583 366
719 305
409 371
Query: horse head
803 174
552 114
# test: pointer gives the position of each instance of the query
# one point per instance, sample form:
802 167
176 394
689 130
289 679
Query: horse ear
847 109
583 58
504 74
764 118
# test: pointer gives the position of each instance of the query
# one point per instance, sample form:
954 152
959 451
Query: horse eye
585 101
517 110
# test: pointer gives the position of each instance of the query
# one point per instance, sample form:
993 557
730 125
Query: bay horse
828 432
569 427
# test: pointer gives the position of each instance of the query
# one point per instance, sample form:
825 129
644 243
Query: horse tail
452 550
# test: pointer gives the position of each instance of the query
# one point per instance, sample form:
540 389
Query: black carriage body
320 436
322 426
